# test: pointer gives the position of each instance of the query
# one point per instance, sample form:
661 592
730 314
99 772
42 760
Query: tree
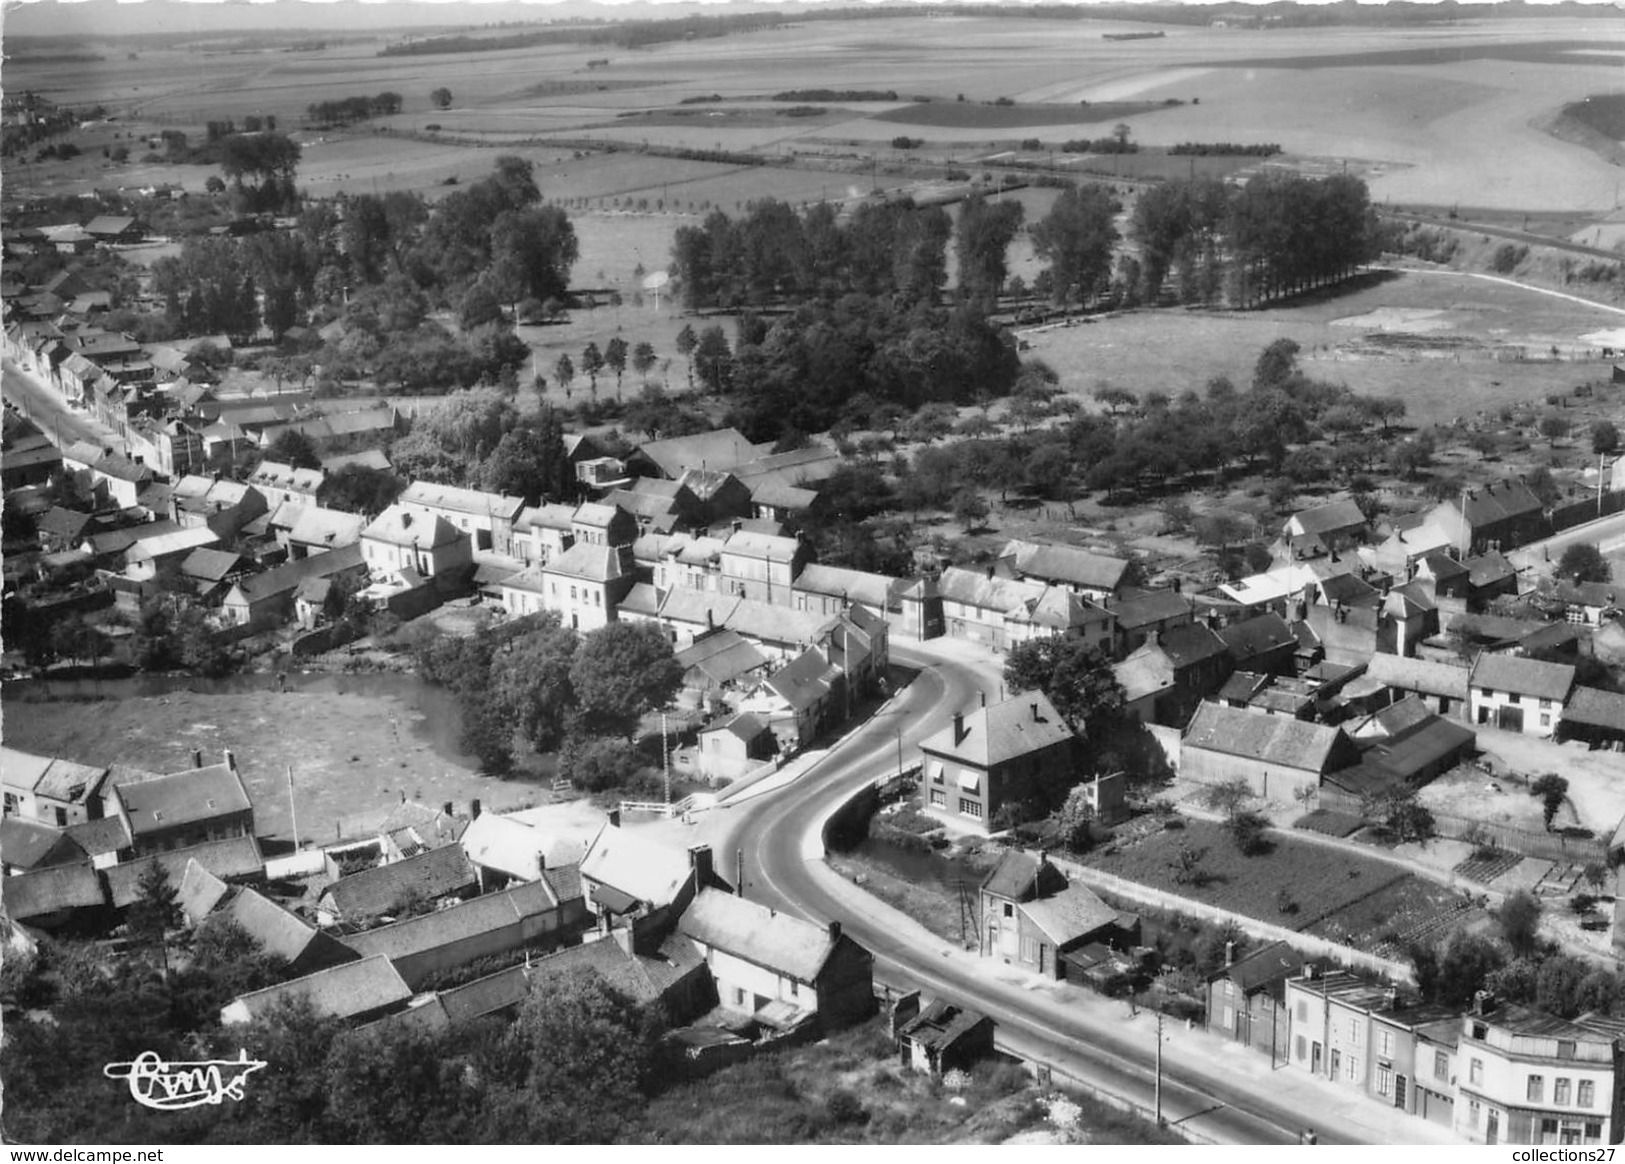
155 910
1077 237
592 362
1552 790
1229 797
983 238
1250 832
564 371
1554 428
1073 819
615 353
1519 916
643 358
712 355
621 672
530 682
686 342
1558 985
361 489
292 447
532 248
1187 865
1408 819
1076 677
1583 562
969 508
1605 438
1453 973
530 462
440 98
601 763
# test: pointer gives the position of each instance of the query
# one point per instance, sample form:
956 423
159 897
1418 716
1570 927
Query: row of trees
345 109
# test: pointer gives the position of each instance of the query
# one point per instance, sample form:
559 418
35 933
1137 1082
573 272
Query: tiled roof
428 495
1019 726
1323 519
1263 968
183 798
985 592
1020 873
854 585
237 857
284 579
26 844
747 725
805 680
511 846
548 515
1488 569
210 565
468 919
1529 677
564 881
279 933
1423 675
1144 607
720 449
1190 644
345 991
762 546
200 891
1273 739
642 599
1067 564
637 864
400 525
587 561
98 837
718 659
381 890
776 941
941 1025
1258 636
1070 914
1594 707
45 891
331 528
488 995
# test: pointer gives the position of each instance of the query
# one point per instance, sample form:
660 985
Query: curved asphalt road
779 835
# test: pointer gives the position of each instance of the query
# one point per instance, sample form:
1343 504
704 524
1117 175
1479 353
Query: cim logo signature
173 1086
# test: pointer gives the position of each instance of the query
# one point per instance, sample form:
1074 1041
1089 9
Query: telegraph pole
293 810
1159 1070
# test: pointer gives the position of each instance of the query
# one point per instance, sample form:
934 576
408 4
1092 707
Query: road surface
45 406
1607 534
778 835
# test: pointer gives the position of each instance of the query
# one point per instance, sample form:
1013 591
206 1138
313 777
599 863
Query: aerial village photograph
813 573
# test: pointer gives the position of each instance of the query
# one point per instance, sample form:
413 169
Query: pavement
47 408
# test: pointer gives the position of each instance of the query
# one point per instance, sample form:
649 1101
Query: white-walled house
404 539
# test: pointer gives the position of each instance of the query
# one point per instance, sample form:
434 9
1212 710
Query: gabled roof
1191 643
1258 636
1020 874
317 526
1599 594
58 779
238 857
26 844
1019 726
400 525
640 504
1324 519
705 484
278 475
468 919
516 848
1419 746
854 585
99 837
1422 675
175 542
279 933
285 579
595 514
375 892
1069 915
765 547
1139 608
746 725
1066 564
643 977
941 1025
1488 569
1348 590
1594 707
770 491
428 495
548 515
719 449
1264 969
1273 739
636 864
764 937
717 659
1498 501
488 995
46 891
584 560
57 522
805 680
354 988
1529 677
986 590
211 565
1059 609
183 798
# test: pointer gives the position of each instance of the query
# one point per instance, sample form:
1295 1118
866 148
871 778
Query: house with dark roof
1517 694
800 698
1263 643
543 532
529 914
1138 614
1595 716
355 992
404 539
736 746
55 897
25 845
236 860
198 893
722 449
485 519
1324 529
318 530
214 572
1247 999
719 662
266 600
1587 603
186 808
900 601
1404 759
435 875
1172 672
1096 576
1442 686
650 965
941 1037
993 757
1032 918
627 874
1503 515
776 968
760 566
216 503
1489 575
1279 758
281 934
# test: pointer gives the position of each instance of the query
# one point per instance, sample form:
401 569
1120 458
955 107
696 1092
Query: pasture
1432 116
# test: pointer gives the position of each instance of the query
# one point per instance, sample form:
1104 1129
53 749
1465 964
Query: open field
350 753
1429 115
1449 370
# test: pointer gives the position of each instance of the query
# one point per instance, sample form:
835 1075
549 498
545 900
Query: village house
1594 716
1247 999
1442 686
650 965
219 504
148 555
909 607
433 876
504 849
718 496
170 447
1406 747
267 600
1331 1023
49 789
182 809
527 914
761 567
993 757
55 897
214 572
353 992
799 699
1587 603
1526 1077
940 1038
1096 576
485 519
1324 529
1171 673
597 524
236 859
627 874
718 663
736 747
281 482
720 449
543 532
1517 694
302 947
110 479
26 845
1279 758
404 541
1501 516
1139 614
774 500
316 530
1032 918
584 585
778 969
1263 643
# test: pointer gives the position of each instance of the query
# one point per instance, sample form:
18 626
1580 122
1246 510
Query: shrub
845 1108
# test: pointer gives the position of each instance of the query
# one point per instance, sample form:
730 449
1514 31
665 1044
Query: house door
1044 966
1314 1059
1483 715
1492 1127
1337 1059
1510 719
1399 1091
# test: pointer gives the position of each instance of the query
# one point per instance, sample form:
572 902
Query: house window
1472 1113
1514 697
1354 1032
1560 1092
1385 1080
1029 949
1441 1065
1536 1091
1586 1094
970 808
1475 1071
1351 1068
1300 1047
939 798
1009 910
1303 1011
1489 693
572 594
1565 1048
61 818
795 988
1545 721
739 996
11 803
1545 704
1593 1132
1385 1042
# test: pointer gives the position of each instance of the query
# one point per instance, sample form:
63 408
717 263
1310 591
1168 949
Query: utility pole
293 809
665 760
1159 1070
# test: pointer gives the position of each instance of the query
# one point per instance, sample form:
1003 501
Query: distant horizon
111 19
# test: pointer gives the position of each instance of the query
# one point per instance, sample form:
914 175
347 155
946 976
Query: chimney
903 1011
445 808
1179 585
406 518
614 818
959 728
1034 706
990 573
1230 953
699 860
197 758
1483 1003
1153 639
1391 997
231 760
834 931
474 809
982 695
541 860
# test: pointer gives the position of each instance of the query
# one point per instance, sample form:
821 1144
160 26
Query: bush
1250 831
845 1108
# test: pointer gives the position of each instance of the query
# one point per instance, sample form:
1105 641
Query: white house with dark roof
583 585
992 757
628 874
1441 686
598 524
543 532
282 482
485 519
503 848
735 746
1518 694
1096 576
760 566
433 875
1324 529
405 539
203 804
777 968
318 530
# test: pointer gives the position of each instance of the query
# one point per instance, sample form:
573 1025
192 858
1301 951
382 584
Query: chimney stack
474 809
959 728
614 818
446 808
231 760
699 860
1483 1003
1391 997
1034 706
197 758
983 696
1230 953
834 931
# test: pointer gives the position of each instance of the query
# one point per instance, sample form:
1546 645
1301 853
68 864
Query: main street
1093 1039
45 406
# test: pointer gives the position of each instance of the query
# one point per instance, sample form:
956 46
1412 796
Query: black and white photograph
642 573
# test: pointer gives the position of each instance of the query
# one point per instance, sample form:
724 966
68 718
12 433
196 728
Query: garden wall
1309 944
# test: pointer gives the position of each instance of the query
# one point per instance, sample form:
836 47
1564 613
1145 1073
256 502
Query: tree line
346 109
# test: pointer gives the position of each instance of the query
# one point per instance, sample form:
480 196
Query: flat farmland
1456 376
